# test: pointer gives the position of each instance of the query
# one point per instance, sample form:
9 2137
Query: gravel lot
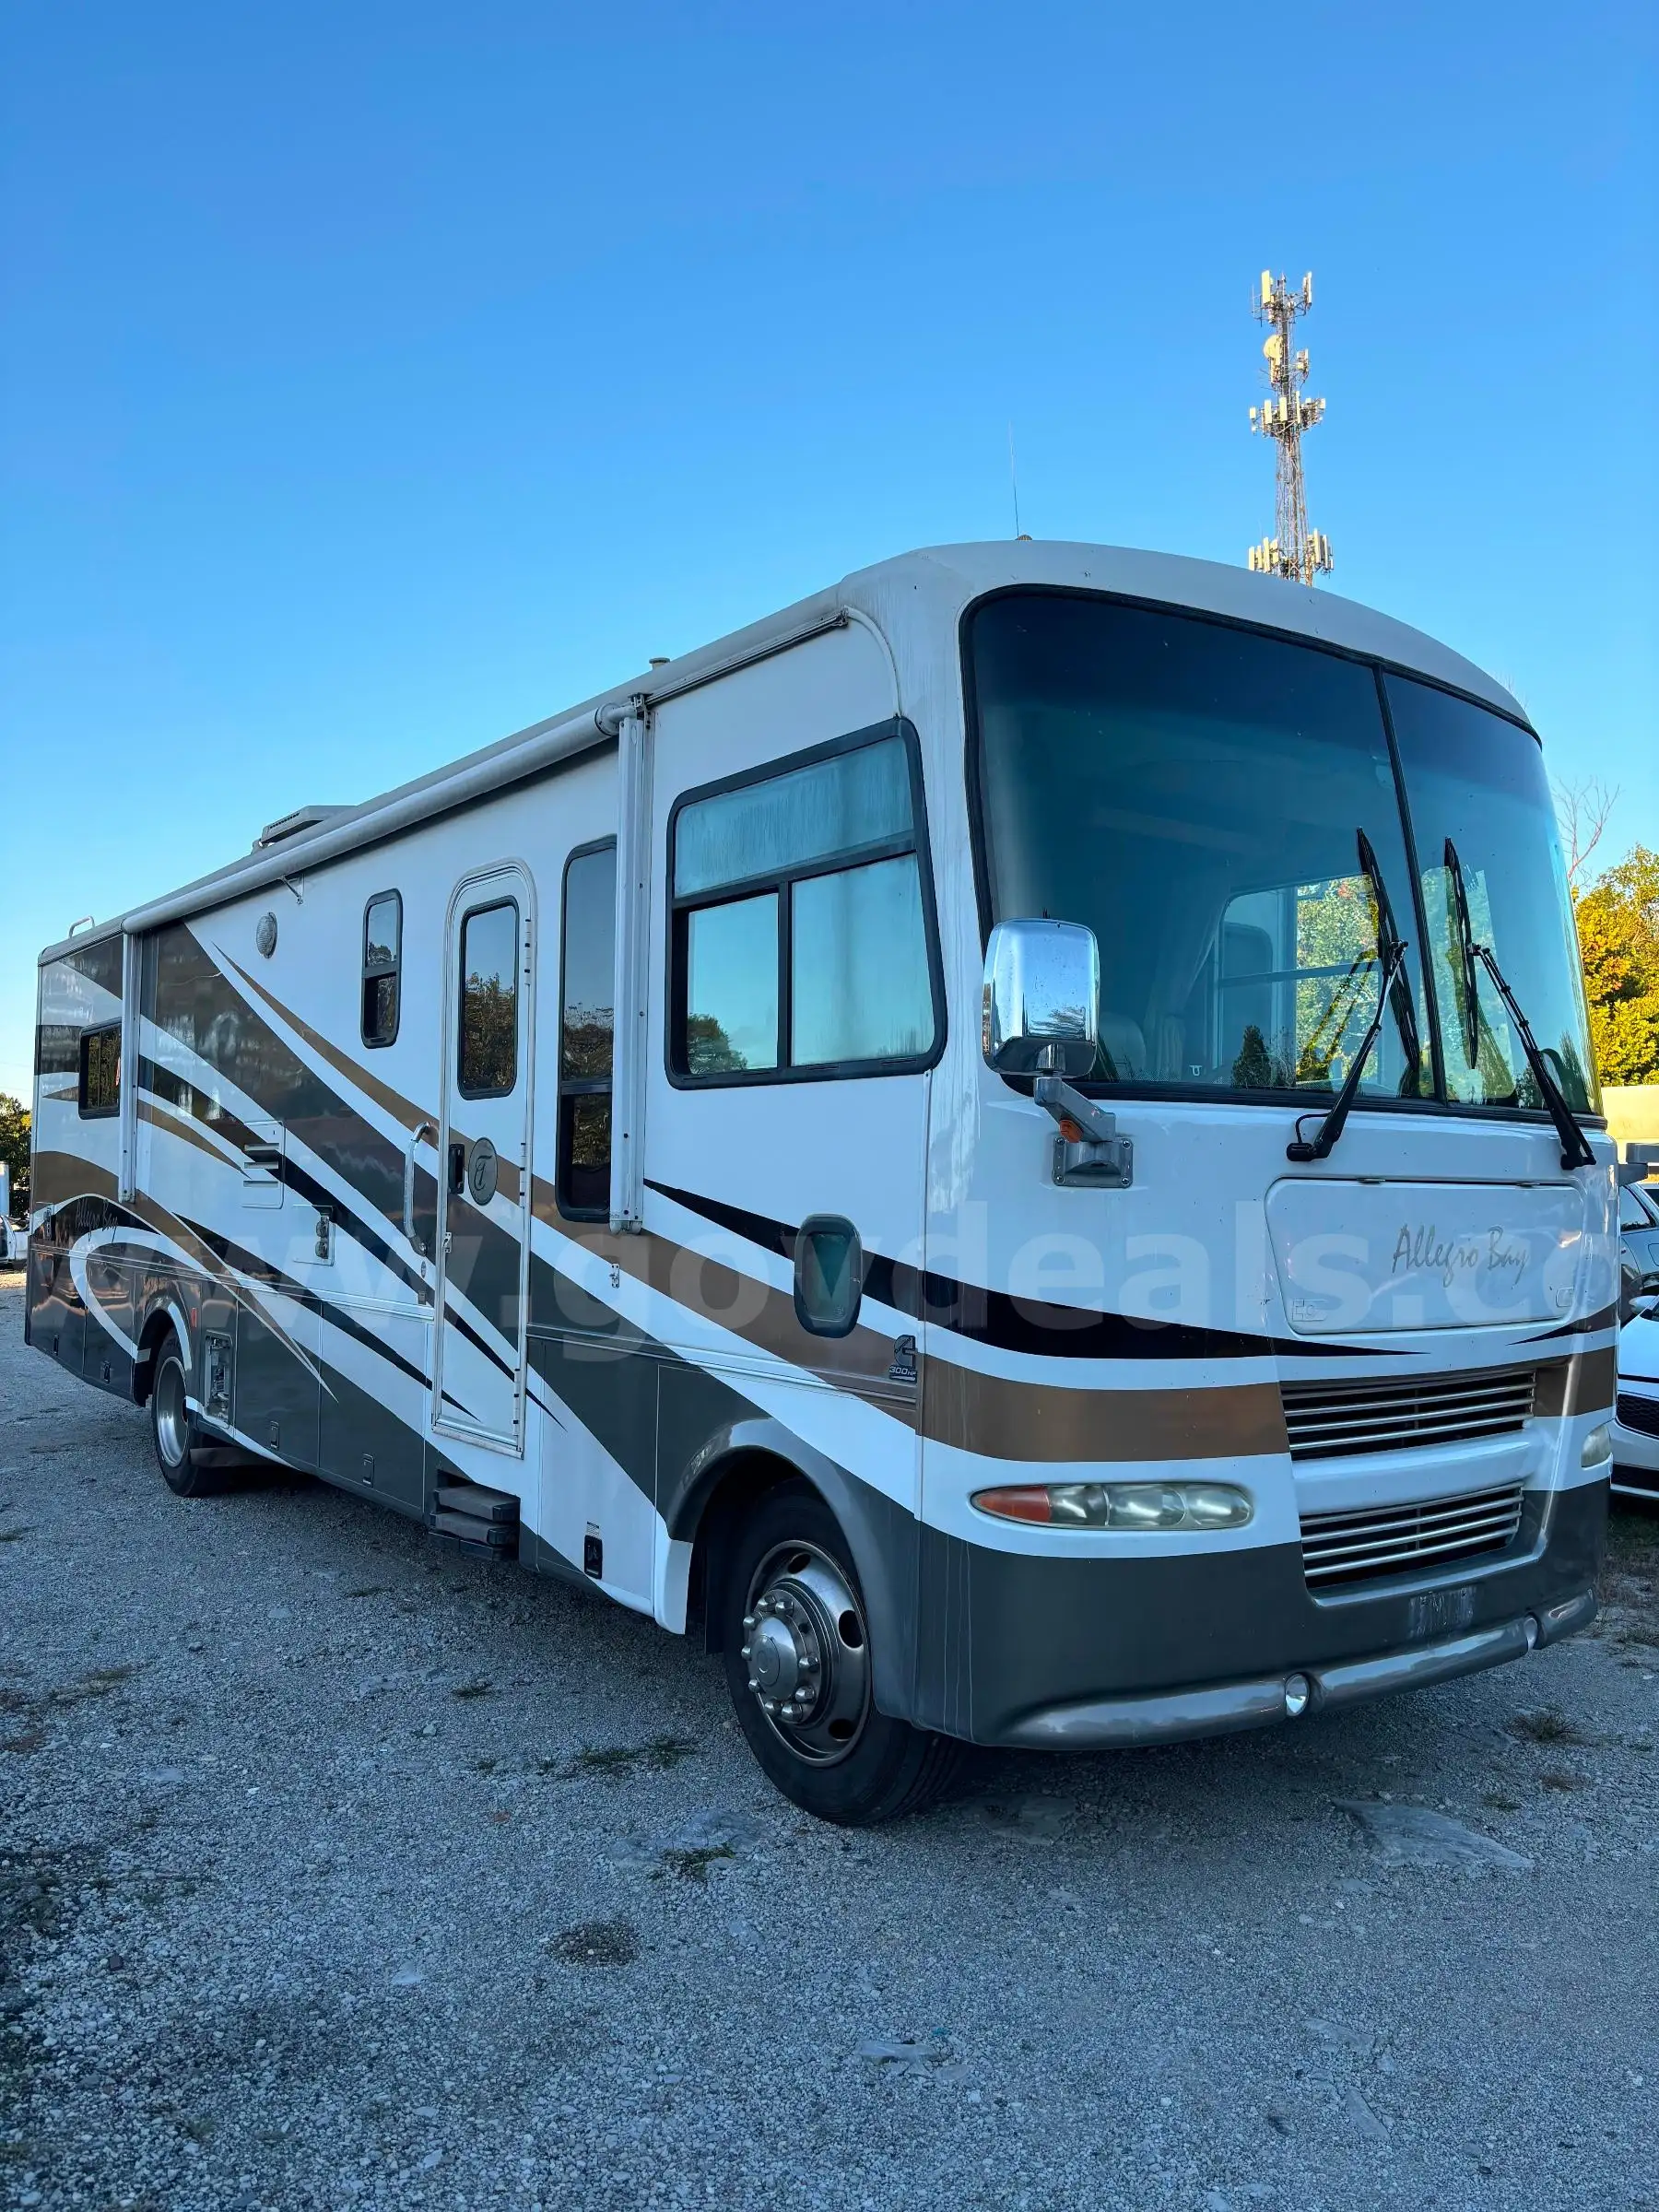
334 1873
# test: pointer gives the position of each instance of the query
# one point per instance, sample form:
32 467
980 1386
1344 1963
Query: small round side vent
264 934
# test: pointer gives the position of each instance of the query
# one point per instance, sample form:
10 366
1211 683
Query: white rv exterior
592 1150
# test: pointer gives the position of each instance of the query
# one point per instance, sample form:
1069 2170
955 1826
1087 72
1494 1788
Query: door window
100 1071
487 1056
383 957
587 1033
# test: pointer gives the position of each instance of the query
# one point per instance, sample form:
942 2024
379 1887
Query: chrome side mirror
1042 989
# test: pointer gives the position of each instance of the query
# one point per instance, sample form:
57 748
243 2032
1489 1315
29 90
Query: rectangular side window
587 1033
100 1071
383 961
486 1058
802 940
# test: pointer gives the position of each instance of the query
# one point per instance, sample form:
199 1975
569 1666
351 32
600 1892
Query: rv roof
949 577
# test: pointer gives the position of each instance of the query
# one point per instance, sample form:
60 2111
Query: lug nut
749 1620
769 1704
745 1652
753 1684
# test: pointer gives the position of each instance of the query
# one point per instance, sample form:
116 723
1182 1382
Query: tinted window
859 986
587 1033
382 954
732 987
1482 818
861 797
1220 809
487 1059
825 963
101 1070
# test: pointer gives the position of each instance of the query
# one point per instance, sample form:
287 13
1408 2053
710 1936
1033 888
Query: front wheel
796 1641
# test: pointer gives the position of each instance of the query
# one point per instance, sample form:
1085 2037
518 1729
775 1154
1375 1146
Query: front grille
1334 1420
1641 1414
1393 1540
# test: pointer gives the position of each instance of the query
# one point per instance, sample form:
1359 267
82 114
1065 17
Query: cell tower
1294 550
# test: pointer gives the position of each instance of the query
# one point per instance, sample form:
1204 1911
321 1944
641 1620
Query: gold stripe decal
1040 1421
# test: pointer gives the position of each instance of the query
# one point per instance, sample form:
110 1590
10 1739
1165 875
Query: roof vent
295 825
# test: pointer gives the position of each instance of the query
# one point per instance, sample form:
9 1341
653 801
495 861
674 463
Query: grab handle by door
457 1169
421 1129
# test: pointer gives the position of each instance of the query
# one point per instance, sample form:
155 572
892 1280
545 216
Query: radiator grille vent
1334 1420
1641 1414
1395 1539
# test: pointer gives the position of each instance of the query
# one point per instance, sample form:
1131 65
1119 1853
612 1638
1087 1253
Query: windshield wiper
1575 1145
1466 953
1330 1128
1388 936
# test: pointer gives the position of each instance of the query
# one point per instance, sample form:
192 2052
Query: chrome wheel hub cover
807 1653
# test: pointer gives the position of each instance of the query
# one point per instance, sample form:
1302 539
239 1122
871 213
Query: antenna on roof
1014 481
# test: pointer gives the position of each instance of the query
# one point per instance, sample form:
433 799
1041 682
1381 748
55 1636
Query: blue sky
375 380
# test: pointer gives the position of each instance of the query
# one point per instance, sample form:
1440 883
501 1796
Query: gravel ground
337 1873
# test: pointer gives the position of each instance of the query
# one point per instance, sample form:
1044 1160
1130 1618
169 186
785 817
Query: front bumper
1045 1650
1120 1723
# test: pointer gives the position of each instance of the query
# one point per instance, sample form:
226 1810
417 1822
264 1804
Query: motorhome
1015 1144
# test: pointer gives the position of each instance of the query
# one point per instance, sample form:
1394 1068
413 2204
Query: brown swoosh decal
60 1176
984 1413
745 1305
390 1102
403 1110
180 1126
1043 1422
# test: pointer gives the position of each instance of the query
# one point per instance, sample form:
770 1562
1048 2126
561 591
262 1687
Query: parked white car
1636 1417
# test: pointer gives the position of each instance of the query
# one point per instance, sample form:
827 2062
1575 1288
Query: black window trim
1382 668
577 1087
394 969
83 1058
486 906
678 906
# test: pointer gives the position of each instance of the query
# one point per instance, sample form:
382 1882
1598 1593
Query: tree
1618 941
1582 810
14 1148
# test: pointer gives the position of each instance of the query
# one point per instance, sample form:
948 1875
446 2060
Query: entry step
477 1502
470 1517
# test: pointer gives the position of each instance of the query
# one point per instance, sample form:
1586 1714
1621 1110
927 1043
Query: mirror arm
1068 1104
1088 1149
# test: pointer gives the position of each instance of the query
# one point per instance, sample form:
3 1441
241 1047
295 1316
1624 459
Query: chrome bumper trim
1171 1716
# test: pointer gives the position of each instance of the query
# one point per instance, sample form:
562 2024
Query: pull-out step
466 1516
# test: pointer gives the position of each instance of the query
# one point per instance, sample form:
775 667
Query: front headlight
1160 1507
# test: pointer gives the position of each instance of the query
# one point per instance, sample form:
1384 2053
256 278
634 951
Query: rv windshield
1221 808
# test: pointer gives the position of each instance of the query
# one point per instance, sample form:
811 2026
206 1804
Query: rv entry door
484 1165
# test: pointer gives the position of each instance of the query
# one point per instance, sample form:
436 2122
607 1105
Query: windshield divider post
1437 1057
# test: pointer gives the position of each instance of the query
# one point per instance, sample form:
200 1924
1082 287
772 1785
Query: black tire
859 1767
175 1431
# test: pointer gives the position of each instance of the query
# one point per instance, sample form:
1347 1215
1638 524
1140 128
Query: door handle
457 1170
421 1129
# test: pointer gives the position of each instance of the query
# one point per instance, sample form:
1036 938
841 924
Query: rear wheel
796 1641
178 1437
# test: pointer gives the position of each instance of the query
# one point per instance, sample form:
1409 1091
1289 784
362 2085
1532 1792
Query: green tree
14 1148
1618 943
